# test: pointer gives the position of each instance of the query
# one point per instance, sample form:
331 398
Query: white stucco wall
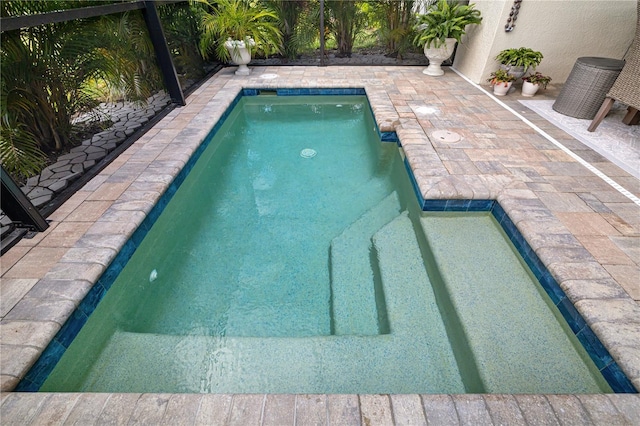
563 30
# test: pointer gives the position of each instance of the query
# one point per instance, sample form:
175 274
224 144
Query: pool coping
185 128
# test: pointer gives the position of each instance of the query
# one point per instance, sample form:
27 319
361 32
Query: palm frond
238 20
20 153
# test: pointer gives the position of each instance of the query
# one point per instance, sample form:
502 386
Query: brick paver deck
586 232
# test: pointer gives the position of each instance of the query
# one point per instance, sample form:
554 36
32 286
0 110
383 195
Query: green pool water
294 259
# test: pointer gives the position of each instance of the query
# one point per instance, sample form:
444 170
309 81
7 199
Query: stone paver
344 409
28 333
12 291
407 410
440 410
628 276
35 263
311 410
182 409
560 207
504 410
245 409
21 408
65 234
279 410
149 409
627 406
55 409
472 410
118 409
569 410
376 410
602 410
214 409
537 410
87 408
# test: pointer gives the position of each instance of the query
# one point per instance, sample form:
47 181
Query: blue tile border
320 91
414 184
302 91
389 137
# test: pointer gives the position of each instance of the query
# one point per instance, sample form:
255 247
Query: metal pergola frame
24 215
151 18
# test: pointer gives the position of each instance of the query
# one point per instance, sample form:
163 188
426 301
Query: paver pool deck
585 231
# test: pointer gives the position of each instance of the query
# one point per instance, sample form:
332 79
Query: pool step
518 344
203 364
415 357
406 285
410 301
354 308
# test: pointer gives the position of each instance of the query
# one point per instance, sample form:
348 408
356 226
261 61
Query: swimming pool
375 335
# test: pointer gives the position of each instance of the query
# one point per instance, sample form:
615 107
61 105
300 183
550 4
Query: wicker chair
626 88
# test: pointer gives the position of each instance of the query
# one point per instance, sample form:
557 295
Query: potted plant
236 28
501 81
440 28
518 61
533 82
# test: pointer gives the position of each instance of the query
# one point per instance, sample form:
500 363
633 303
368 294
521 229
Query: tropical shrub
306 38
20 152
396 20
238 20
181 24
445 19
346 21
289 14
127 58
521 57
49 72
43 71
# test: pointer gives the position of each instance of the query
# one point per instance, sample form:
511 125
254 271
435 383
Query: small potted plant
236 28
438 30
518 61
533 82
501 81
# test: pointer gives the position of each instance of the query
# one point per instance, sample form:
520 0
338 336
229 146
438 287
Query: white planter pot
240 54
501 89
529 89
437 55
